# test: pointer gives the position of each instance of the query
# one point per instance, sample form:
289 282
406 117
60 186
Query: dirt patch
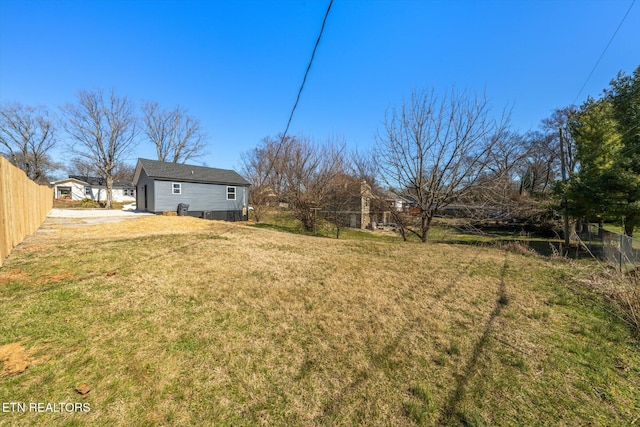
15 359
83 389
35 248
22 276
54 278
12 276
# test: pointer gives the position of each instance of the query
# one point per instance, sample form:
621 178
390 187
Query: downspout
245 202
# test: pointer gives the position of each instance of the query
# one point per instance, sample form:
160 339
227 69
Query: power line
304 80
306 73
604 51
635 147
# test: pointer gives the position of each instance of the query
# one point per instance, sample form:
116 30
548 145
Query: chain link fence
618 250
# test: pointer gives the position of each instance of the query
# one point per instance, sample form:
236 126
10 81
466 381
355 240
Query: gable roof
61 181
188 173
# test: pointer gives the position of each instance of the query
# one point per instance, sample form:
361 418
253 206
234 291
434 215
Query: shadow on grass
450 410
382 360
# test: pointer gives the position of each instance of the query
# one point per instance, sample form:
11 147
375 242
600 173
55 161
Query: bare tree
551 126
256 166
402 219
294 171
124 172
545 152
80 166
542 164
498 191
344 200
363 166
307 169
103 129
299 173
177 136
27 135
434 149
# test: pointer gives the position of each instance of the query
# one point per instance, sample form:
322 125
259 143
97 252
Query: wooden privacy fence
23 206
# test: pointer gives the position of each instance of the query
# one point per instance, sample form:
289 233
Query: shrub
623 292
88 203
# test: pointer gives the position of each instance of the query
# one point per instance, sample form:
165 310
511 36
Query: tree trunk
109 204
308 220
628 227
425 224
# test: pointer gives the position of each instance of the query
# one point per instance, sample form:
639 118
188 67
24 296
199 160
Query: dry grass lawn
181 321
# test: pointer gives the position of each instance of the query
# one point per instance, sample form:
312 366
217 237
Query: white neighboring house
85 187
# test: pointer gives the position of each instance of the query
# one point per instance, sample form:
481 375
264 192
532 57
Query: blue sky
237 65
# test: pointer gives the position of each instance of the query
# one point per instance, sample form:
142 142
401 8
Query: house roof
188 173
92 181
61 181
391 195
96 181
386 194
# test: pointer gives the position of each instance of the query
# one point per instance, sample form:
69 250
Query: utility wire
306 73
304 80
604 51
635 147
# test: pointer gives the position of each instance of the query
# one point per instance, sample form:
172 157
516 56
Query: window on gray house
177 188
231 193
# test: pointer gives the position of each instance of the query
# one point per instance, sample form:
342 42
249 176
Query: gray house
210 193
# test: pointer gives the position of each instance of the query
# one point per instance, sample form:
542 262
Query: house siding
98 193
140 195
206 199
199 196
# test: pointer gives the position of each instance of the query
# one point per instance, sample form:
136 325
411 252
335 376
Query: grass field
181 321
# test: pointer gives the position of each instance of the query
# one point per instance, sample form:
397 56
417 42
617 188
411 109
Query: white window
87 191
130 192
231 193
176 188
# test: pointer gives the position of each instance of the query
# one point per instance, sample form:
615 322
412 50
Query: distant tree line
452 151
102 129
435 151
